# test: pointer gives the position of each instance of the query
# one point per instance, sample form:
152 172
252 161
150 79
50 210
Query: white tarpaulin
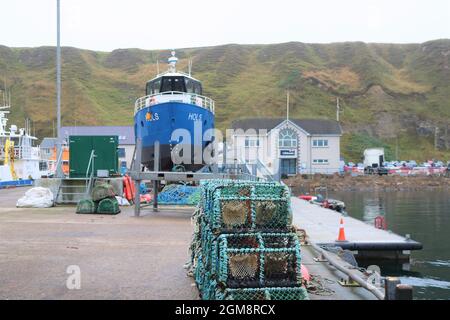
36 198
122 202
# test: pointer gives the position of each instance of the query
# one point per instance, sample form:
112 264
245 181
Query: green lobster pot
108 206
86 207
258 260
246 206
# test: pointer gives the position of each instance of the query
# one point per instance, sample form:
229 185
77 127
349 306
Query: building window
321 161
43 166
121 152
251 142
288 139
320 143
288 166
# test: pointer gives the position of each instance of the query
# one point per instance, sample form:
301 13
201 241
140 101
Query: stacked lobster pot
244 246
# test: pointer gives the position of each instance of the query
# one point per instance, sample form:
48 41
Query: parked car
411 164
439 164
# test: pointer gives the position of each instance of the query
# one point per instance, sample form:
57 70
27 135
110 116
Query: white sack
36 198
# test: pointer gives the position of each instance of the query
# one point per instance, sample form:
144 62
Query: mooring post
156 160
390 288
404 292
137 170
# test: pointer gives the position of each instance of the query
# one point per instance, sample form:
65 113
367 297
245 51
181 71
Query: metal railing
261 167
59 173
23 153
90 173
350 273
175 96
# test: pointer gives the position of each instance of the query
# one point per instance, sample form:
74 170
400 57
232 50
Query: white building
288 147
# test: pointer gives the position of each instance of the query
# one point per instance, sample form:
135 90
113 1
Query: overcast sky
111 24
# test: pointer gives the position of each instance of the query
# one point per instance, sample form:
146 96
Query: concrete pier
322 227
120 257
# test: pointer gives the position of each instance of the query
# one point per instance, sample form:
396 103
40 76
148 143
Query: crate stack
244 246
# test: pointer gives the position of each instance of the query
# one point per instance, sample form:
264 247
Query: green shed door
106 151
80 153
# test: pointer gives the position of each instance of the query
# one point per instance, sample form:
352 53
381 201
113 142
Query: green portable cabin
106 155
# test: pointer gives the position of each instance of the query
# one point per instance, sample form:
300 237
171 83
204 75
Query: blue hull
16 183
160 122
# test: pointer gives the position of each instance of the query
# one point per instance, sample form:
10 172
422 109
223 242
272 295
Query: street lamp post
59 172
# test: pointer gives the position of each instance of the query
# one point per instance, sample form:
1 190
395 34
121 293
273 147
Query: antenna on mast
190 67
288 105
173 62
5 93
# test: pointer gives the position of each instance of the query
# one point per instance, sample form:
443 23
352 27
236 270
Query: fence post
390 288
403 292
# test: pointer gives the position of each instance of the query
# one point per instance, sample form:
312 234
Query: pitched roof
125 133
48 143
312 126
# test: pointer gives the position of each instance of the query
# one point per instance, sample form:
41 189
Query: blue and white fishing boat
174 101
19 158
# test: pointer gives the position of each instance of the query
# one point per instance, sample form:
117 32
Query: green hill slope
390 93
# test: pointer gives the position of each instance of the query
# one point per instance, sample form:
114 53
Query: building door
288 166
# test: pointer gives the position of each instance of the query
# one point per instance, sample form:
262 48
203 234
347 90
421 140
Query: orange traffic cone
341 237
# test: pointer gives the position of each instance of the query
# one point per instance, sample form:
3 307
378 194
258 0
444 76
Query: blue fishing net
174 194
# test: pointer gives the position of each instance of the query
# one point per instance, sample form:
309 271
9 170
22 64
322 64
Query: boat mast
190 67
173 62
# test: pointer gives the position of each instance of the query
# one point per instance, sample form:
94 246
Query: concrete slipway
120 257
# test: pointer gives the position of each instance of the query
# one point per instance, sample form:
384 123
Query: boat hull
174 125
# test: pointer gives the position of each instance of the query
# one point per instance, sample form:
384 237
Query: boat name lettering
152 117
195 117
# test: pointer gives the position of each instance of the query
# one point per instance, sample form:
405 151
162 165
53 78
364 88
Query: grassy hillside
390 93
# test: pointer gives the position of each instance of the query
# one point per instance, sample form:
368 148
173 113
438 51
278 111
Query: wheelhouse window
153 87
173 84
198 88
189 85
288 139
177 84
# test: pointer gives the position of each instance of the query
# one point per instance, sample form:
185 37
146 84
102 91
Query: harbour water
425 215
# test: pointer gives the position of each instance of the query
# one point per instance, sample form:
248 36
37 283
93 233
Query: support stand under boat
137 182
156 160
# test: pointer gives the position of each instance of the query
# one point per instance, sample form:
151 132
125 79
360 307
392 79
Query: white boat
19 158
